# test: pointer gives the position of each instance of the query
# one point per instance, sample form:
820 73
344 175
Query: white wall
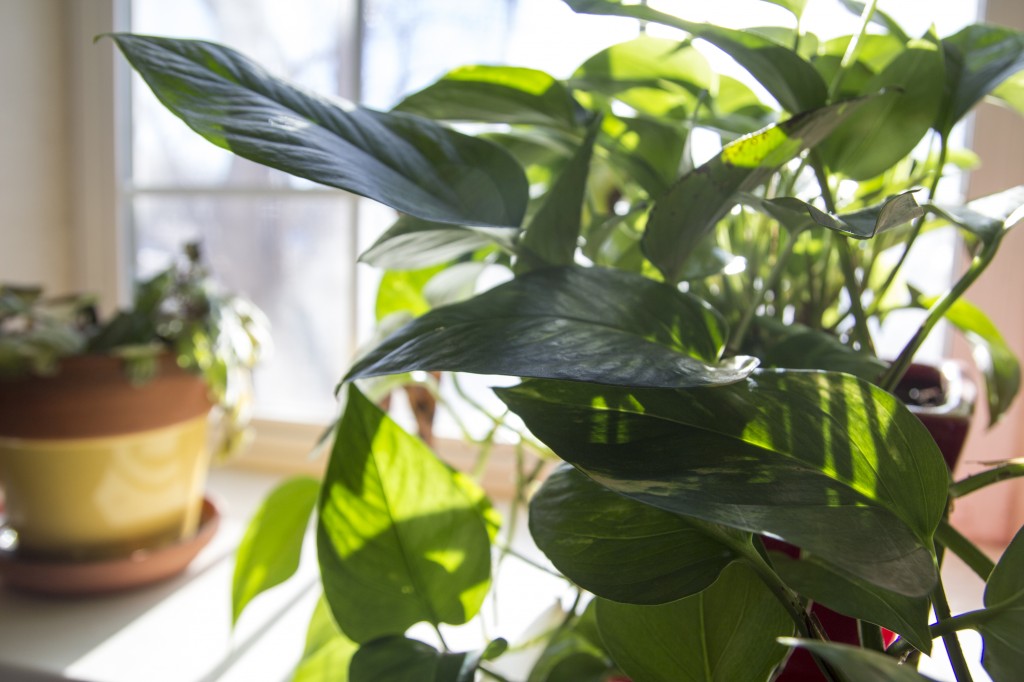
34 178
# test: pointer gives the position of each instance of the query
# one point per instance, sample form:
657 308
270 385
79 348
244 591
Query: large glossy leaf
727 633
400 541
398 659
859 665
575 653
994 357
412 244
618 548
406 162
581 324
1004 594
496 94
270 549
327 653
401 291
856 598
657 76
888 127
782 72
978 59
691 207
644 150
554 229
825 461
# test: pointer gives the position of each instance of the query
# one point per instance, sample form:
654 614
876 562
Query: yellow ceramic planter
94 467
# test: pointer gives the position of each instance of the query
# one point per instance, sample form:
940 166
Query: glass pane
293 257
298 40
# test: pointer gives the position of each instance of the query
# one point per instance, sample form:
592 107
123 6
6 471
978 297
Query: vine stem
773 279
978 265
956 654
950 538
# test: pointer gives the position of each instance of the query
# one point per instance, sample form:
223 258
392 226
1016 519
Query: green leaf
496 94
692 206
795 215
328 652
1010 93
656 76
986 217
727 633
824 461
271 547
856 598
644 150
413 244
994 357
794 6
617 547
794 346
575 653
398 659
399 539
580 324
782 72
978 59
554 230
1004 649
411 164
857 664
888 127
401 291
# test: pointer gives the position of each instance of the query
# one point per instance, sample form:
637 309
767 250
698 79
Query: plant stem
870 636
1005 471
956 654
773 278
978 265
965 621
950 538
916 229
852 49
440 637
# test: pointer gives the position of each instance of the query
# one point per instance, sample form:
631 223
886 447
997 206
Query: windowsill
175 631
180 630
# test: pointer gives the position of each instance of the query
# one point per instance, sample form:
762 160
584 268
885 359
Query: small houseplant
639 350
104 442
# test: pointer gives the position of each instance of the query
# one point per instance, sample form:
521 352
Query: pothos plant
181 310
692 341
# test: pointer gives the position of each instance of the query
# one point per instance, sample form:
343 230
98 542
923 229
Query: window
292 245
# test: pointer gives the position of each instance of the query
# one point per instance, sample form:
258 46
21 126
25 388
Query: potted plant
698 406
104 439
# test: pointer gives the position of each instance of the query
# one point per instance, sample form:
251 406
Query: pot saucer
142 567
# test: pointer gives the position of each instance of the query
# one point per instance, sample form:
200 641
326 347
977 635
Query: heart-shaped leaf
398 659
782 72
621 549
888 127
400 541
496 94
856 598
725 633
825 461
580 324
857 664
978 59
328 652
406 162
1004 595
270 549
689 210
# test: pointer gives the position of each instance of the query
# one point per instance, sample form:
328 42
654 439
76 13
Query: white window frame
102 252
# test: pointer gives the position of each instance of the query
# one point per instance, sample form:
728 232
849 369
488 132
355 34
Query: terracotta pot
943 399
93 466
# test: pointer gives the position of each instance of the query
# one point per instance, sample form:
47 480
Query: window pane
293 257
